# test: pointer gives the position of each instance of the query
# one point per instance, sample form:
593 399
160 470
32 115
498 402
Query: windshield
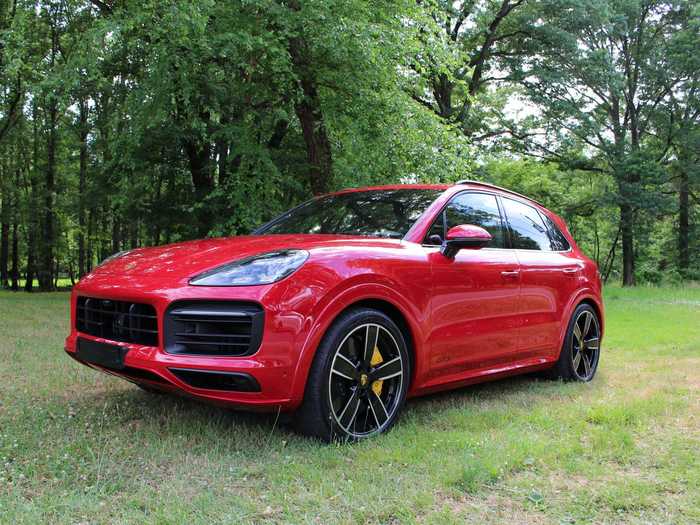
373 213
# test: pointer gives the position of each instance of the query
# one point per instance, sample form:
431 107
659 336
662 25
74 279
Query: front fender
338 300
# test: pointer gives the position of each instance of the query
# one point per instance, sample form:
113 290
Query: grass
81 447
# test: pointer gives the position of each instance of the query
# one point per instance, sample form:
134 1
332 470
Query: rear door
475 309
549 276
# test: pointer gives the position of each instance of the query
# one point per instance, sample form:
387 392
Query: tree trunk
134 234
46 281
31 243
442 91
310 114
88 250
199 158
627 223
33 221
14 273
222 150
56 272
222 147
4 242
104 250
683 223
4 225
82 187
116 233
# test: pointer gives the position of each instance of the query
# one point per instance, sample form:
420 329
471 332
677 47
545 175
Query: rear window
557 239
527 229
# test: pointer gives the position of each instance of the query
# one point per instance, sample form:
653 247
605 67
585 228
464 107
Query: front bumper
152 367
270 369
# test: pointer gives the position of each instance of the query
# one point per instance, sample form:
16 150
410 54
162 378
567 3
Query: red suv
342 307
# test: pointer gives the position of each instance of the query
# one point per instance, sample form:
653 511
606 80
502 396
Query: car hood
187 259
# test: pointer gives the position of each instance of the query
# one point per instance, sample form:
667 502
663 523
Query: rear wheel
359 378
580 354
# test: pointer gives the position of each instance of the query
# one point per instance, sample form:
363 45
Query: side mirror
464 236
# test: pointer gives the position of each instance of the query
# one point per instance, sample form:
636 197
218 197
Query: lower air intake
215 380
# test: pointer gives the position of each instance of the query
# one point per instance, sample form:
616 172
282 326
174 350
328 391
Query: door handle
570 271
510 275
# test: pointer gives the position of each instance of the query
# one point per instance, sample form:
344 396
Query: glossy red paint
485 314
468 231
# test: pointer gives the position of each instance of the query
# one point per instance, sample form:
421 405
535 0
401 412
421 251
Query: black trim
125 372
101 354
213 328
507 239
216 380
139 374
122 321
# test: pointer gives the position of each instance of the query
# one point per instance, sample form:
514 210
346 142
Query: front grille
213 328
117 320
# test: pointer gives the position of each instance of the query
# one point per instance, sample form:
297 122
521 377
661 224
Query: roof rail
494 187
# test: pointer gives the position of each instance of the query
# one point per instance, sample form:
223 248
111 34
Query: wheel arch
396 315
596 307
383 299
583 298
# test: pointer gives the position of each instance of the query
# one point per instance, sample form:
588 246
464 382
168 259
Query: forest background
127 124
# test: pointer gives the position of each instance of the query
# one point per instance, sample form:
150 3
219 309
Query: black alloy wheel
359 378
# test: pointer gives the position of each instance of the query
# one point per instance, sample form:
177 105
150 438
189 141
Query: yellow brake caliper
376 360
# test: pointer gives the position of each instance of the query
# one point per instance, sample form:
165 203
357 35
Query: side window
527 230
558 241
436 233
479 209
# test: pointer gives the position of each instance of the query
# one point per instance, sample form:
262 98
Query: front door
475 295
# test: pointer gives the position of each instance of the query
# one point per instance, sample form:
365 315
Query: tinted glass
528 232
376 213
558 241
478 209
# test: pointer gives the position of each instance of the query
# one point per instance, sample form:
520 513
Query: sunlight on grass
80 447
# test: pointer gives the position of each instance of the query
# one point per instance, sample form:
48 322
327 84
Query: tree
457 63
598 71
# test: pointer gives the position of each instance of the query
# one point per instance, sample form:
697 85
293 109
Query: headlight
114 257
265 268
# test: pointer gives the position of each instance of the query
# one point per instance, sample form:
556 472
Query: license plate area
102 354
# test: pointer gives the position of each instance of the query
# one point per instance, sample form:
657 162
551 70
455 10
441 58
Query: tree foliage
127 123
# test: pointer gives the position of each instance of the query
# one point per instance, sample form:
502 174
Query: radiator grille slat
122 321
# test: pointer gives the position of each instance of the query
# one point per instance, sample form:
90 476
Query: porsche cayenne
341 308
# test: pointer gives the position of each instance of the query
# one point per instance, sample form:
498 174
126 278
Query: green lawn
77 446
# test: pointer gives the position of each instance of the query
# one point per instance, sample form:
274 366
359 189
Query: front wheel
358 380
580 354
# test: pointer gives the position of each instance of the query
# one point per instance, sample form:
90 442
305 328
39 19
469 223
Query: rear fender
588 295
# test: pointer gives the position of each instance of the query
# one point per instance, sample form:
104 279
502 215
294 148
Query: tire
583 332
355 390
